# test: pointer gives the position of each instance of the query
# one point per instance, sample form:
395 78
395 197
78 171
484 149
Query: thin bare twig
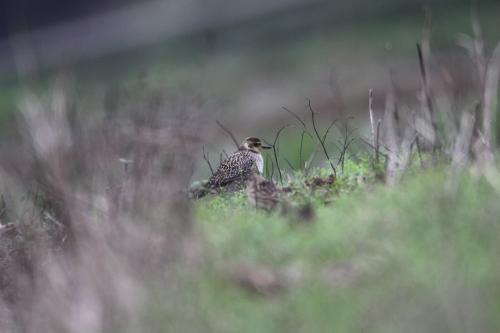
328 130
319 139
228 132
368 143
289 164
275 152
293 114
423 74
426 92
304 131
205 157
345 147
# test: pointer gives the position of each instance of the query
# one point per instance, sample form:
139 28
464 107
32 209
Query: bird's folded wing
232 169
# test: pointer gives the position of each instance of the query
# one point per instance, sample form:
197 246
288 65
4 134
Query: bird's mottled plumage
240 166
236 168
263 193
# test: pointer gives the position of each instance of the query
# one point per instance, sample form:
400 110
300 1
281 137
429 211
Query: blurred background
245 59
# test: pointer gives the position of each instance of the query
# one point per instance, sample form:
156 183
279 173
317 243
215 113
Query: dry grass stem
319 138
228 132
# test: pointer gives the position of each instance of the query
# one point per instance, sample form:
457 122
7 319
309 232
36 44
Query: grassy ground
419 257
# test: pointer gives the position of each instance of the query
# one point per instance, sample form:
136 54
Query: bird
235 171
263 193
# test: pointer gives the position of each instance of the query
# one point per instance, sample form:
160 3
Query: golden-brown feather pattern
237 168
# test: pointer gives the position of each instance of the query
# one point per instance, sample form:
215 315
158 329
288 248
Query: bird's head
253 144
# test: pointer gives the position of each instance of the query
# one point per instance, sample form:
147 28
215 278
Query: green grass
424 256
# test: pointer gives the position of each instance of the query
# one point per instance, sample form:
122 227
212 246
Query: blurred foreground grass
419 257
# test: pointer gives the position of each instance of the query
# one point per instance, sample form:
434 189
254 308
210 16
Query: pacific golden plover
263 193
239 167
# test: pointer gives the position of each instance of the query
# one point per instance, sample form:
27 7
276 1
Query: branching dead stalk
304 132
328 130
293 114
275 152
345 143
423 74
319 138
343 152
367 142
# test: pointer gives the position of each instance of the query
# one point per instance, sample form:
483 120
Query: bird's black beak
266 147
